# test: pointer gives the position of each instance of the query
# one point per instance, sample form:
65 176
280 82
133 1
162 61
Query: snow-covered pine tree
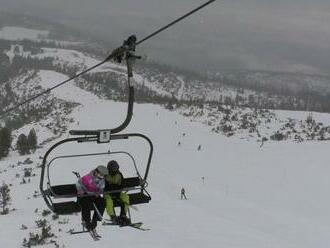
32 140
22 144
4 198
5 141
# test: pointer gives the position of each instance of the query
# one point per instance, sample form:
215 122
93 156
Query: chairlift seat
137 198
130 182
62 191
68 207
70 190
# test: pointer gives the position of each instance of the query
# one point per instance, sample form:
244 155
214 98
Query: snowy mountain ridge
228 115
240 194
272 90
256 193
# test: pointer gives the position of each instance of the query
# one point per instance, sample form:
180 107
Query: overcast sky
289 35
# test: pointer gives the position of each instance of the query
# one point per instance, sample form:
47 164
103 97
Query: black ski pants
88 204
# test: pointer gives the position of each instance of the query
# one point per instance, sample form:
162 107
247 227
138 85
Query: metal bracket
104 136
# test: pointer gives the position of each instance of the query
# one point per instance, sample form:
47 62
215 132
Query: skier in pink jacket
90 189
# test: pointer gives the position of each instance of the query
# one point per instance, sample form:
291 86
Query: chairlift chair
59 197
136 186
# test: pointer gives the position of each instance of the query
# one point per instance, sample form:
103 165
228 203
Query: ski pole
98 212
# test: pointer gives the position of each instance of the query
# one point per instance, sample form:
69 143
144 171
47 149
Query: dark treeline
24 145
8 97
113 85
275 90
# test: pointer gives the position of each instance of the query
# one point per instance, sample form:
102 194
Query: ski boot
114 219
86 225
124 220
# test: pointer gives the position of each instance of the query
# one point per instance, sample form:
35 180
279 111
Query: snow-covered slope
239 195
272 90
19 33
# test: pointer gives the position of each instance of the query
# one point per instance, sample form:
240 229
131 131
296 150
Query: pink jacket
90 184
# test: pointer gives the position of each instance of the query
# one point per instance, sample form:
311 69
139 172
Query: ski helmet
102 170
113 166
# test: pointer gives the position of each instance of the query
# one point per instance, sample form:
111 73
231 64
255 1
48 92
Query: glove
80 192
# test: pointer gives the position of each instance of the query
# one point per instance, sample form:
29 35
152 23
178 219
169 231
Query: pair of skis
136 225
95 236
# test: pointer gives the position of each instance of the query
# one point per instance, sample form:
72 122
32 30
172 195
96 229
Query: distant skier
263 141
183 194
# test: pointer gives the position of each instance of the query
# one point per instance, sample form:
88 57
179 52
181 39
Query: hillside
254 177
239 195
229 108
43 46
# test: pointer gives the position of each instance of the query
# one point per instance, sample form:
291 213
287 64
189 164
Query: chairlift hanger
125 52
99 136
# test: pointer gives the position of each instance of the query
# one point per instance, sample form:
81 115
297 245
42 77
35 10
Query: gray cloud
290 35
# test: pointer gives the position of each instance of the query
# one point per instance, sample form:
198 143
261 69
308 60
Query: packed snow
20 33
239 195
